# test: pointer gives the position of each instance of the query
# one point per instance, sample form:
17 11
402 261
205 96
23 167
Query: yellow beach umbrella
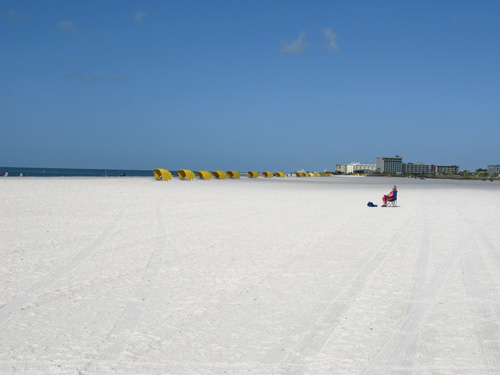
220 174
204 175
162 174
185 174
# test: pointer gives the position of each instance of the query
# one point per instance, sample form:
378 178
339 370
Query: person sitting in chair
389 197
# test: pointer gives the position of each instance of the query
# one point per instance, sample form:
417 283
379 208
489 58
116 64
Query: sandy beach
249 276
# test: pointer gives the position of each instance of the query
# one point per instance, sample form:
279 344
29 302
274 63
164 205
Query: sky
248 85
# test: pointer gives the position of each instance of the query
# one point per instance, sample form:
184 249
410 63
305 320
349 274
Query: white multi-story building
355 167
444 169
416 168
341 168
494 170
365 168
390 164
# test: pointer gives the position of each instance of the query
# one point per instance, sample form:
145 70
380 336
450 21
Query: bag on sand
370 204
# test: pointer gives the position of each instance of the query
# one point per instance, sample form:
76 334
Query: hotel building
416 168
444 169
355 167
494 170
390 164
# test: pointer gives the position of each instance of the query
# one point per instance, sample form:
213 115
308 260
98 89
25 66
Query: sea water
70 172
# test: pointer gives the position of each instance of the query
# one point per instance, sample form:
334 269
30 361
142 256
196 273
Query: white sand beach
266 276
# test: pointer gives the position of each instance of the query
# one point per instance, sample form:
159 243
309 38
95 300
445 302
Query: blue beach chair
393 201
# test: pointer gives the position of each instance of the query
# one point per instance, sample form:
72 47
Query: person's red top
390 196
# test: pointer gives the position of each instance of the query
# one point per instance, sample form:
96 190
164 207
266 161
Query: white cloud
69 27
87 77
14 15
297 47
116 78
140 16
331 39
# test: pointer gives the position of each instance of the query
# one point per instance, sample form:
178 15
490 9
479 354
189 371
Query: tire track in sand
482 290
315 331
420 280
20 301
399 351
126 324
486 310
491 249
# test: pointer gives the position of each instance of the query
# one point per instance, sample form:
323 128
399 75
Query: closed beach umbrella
220 174
163 174
185 174
204 175
233 174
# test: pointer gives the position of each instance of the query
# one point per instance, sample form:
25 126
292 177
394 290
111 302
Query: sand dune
265 276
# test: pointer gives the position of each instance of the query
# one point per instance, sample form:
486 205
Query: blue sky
248 85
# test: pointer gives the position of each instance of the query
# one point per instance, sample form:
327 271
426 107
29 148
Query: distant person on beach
6 173
389 197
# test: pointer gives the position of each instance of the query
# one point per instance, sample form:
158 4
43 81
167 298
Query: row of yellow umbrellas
305 174
186 174
266 174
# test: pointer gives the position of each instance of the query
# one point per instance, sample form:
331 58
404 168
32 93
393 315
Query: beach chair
394 201
162 174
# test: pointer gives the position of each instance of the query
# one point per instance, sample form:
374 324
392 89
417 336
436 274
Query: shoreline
287 176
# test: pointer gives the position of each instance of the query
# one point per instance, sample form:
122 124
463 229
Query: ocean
70 172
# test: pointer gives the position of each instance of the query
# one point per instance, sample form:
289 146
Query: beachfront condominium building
355 168
341 168
494 170
390 164
416 168
444 169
